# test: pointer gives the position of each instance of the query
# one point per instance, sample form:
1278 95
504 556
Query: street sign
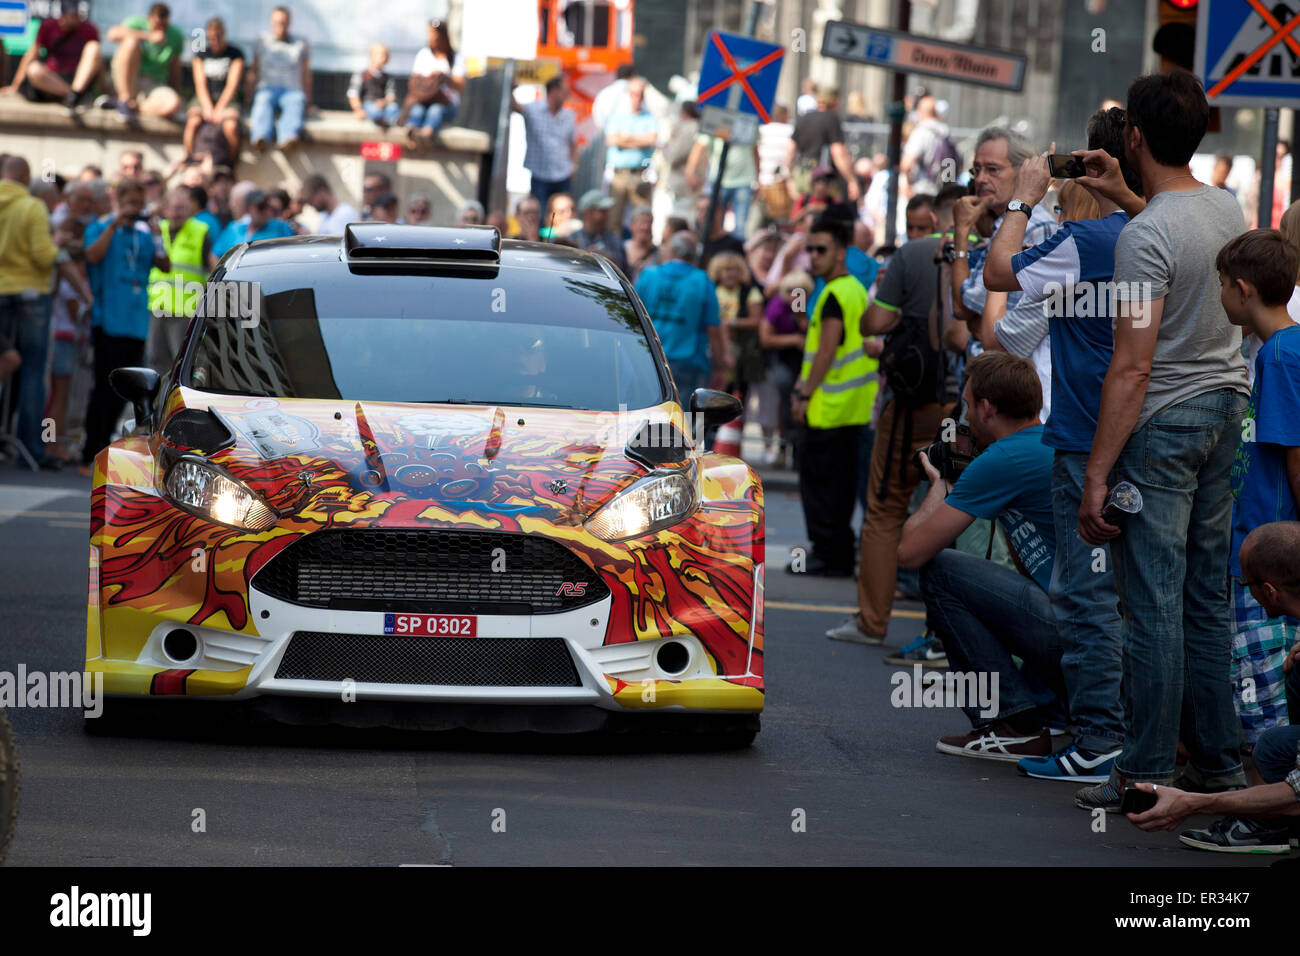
907 53
1248 53
13 17
739 73
733 126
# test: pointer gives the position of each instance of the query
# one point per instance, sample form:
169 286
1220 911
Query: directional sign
906 53
1248 52
737 128
739 73
13 17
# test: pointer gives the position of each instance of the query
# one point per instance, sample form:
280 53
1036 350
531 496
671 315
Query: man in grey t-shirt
1170 419
280 79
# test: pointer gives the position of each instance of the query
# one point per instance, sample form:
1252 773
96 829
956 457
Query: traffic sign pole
897 112
1267 168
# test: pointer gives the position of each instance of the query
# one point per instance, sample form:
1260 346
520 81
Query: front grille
460 661
467 572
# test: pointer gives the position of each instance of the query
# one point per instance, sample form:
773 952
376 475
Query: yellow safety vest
185 250
847 394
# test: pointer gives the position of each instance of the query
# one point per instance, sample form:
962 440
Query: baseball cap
592 199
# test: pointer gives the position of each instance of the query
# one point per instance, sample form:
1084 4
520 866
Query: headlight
654 502
201 489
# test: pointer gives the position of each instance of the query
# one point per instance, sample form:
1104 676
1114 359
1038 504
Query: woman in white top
437 80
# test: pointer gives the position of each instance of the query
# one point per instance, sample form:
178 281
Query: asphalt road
863 777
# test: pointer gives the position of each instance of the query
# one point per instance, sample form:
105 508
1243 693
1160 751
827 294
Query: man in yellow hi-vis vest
174 295
833 400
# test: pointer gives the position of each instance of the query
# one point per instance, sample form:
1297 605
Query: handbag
775 199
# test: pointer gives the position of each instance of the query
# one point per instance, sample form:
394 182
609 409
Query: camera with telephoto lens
947 252
950 458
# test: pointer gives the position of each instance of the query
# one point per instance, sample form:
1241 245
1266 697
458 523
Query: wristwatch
961 254
1017 206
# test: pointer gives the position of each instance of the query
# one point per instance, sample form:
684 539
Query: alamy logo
1091 300
950 689
53 689
75 909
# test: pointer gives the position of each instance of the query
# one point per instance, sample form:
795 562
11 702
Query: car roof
327 252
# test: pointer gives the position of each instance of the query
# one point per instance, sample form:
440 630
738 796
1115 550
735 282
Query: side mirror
139 386
717 408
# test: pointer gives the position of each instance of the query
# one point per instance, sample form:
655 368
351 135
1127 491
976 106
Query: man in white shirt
551 132
334 215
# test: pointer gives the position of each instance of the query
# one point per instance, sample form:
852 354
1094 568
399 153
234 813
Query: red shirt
67 47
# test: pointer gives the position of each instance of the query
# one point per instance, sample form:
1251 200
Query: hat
593 199
823 172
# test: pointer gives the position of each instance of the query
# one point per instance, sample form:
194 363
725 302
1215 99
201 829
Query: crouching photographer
985 612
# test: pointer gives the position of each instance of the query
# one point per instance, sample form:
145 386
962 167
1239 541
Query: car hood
302 454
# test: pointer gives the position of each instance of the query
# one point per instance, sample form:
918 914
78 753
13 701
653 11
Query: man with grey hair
999 154
470 213
47 191
684 309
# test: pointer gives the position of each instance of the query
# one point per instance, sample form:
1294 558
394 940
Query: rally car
435 472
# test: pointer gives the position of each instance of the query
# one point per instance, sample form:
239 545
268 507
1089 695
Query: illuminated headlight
654 502
201 489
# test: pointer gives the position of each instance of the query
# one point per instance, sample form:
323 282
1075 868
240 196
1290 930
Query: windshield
520 337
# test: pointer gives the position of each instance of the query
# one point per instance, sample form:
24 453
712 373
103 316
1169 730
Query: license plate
431 625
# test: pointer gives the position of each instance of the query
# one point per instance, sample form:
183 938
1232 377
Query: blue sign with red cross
739 73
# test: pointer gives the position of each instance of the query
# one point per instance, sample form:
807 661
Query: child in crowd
1257 272
372 92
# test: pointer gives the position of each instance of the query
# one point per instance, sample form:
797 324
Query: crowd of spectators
269 87
1038 398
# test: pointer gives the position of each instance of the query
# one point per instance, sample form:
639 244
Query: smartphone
1064 166
1136 801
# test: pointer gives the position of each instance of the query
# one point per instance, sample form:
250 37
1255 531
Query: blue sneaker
1073 764
926 650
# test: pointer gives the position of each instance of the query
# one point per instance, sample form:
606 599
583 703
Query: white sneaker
849 631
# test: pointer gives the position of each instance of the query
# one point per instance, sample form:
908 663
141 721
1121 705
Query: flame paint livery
339 464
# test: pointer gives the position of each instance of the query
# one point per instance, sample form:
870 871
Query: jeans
291 103
386 114
985 613
1171 567
25 320
687 378
739 198
544 189
1275 753
434 116
1087 610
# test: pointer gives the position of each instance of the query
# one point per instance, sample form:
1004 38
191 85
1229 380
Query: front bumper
126 644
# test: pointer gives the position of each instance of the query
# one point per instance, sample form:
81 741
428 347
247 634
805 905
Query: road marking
18 500
834 609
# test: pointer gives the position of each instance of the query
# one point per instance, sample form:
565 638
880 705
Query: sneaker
1239 835
926 650
996 742
1073 764
105 101
71 100
126 110
849 631
1104 796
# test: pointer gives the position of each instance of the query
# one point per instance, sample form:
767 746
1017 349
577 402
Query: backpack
944 151
911 364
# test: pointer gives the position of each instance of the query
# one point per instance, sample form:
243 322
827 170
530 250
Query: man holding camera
1170 418
985 612
1067 278
907 310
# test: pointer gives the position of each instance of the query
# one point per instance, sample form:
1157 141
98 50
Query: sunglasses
819 250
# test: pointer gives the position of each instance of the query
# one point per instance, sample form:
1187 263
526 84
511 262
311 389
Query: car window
519 337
